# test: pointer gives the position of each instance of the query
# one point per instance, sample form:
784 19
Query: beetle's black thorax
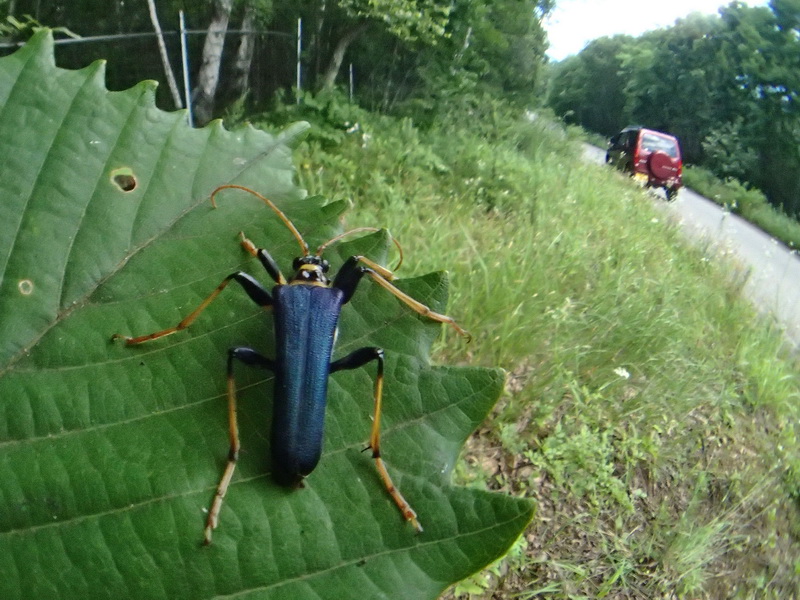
310 270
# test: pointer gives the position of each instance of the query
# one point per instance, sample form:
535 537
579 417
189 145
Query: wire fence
133 57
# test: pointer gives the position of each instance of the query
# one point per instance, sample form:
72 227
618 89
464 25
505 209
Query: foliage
727 154
330 114
746 201
21 29
588 89
729 192
111 454
408 19
400 49
500 44
777 223
668 85
650 415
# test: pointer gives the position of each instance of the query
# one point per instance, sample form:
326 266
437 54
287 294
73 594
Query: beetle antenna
268 202
341 236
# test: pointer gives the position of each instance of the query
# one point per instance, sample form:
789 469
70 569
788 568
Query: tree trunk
315 43
244 57
208 77
329 77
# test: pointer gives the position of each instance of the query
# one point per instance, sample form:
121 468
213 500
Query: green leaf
109 455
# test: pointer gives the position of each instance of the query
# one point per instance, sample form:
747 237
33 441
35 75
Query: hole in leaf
124 179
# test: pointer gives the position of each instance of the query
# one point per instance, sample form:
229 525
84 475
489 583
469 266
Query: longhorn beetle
305 311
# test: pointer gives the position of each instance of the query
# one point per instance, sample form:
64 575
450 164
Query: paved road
773 283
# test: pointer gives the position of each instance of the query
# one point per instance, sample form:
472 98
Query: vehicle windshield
652 143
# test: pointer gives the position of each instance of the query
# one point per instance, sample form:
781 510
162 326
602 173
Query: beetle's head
310 269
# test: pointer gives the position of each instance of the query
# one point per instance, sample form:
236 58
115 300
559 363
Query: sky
574 23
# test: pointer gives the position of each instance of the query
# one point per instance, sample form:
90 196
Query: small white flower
622 372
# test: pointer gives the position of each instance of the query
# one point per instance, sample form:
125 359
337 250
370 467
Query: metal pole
299 51
185 62
351 82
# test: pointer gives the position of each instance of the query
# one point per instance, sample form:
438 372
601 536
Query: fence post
299 51
185 62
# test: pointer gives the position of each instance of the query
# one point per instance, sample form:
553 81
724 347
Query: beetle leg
353 361
351 273
265 258
252 358
418 306
253 288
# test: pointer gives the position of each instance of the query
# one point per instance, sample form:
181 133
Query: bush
746 201
730 193
331 115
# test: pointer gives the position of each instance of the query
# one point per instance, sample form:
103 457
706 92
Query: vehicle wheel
672 193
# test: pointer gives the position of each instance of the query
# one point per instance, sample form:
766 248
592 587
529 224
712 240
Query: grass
648 411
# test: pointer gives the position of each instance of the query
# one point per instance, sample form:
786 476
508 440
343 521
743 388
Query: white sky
574 23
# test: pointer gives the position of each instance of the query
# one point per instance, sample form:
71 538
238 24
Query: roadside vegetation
746 201
648 411
740 198
726 85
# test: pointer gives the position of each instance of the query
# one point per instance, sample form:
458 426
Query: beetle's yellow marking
305 282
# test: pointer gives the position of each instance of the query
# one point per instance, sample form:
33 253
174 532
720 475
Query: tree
762 48
727 85
401 49
493 48
408 20
208 76
567 89
244 54
507 44
728 152
672 82
590 88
